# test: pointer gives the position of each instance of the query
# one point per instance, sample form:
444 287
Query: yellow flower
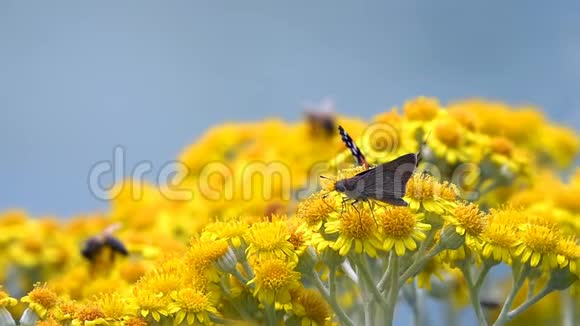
48 322
421 109
89 315
203 254
134 321
274 279
470 222
310 307
65 310
193 306
449 142
270 239
401 228
501 235
356 228
114 306
150 303
539 244
40 300
5 299
233 231
423 191
568 254
314 210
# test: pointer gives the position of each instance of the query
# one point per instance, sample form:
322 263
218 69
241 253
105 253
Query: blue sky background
78 78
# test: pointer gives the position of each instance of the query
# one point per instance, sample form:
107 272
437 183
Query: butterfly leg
327 204
372 208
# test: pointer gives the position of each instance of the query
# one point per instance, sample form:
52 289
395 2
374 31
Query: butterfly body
386 182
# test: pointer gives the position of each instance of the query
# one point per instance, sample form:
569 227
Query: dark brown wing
388 181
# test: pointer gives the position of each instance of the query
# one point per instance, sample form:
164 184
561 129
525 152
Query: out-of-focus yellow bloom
310 307
89 315
232 231
40 300
274 280
432 268
5 299
356 229
401 229
193 306
568 254
421 109
449 142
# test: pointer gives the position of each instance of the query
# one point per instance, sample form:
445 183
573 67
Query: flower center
358 225
471 219
540 239
398 222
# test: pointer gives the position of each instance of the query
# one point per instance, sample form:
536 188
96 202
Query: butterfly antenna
423 144
356 152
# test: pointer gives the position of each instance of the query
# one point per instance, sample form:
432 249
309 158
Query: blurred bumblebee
104 246
321 118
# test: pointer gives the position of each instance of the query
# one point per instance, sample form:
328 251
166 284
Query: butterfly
386 182
350 144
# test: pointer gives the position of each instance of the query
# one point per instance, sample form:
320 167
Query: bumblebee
96 246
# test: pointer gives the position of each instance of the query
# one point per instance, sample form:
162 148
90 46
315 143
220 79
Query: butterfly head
340 186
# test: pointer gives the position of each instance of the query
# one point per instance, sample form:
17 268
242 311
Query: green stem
528 303
393 289
568 308
384 278
418 264
473 293
482 275
518 282
330 295
270 312
367 279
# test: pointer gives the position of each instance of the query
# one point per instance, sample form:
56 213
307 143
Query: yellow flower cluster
246 232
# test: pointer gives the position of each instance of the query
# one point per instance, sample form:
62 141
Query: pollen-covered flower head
423 191
150 303
539 243
41 299
568 254
314 210
470 222
114 305
500 237
356 229
274 279
90 315
232 231
270 239
401 229
193 306
310 307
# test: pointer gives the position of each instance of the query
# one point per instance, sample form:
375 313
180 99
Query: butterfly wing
388 181
347 140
